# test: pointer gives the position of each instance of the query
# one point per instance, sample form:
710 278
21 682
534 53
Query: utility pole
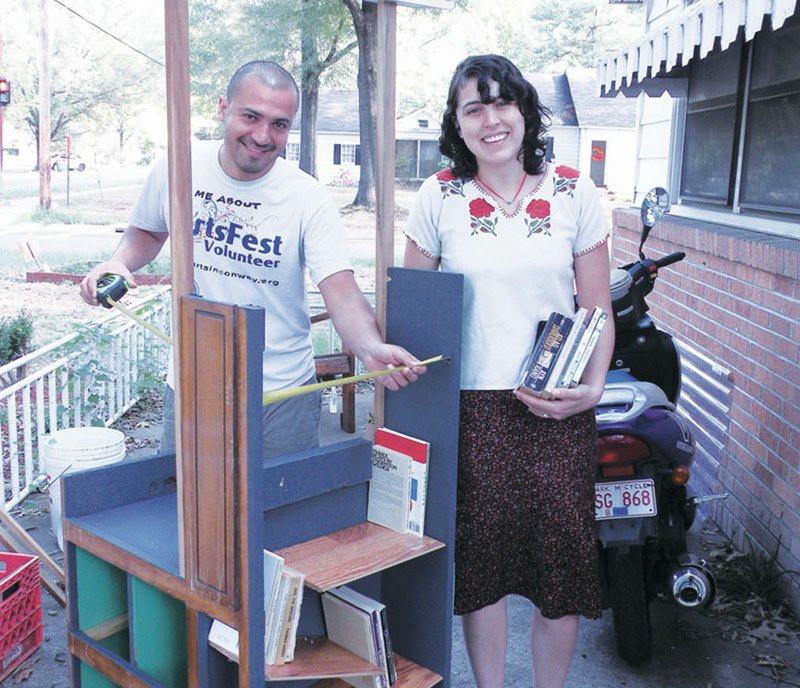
1 118
44 106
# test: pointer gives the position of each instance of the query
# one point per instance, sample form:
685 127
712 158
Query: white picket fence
90 377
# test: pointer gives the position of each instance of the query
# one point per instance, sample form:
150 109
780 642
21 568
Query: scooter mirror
654 205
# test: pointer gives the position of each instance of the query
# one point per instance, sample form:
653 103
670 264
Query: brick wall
736 299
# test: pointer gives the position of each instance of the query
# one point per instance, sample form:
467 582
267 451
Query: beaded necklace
497 195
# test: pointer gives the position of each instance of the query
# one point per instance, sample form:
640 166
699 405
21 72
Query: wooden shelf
320 658
314 658
409 675
347 555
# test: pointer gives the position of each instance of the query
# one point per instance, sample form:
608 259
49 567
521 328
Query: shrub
15 336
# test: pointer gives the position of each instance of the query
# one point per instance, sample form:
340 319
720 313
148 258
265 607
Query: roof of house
594 111
336 111
572 98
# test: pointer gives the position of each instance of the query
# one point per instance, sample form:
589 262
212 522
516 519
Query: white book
380 629
388 501
273 566
566 351
273 630
590 323
224 638
292 617
418 451
587 354
351 628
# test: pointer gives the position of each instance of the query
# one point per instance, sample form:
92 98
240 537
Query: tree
221 44
365 22
94 76
316 16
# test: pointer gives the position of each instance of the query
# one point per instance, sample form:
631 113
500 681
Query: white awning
699 24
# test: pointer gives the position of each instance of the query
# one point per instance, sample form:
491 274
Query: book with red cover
418 452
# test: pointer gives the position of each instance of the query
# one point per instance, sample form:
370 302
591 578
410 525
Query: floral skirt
525 508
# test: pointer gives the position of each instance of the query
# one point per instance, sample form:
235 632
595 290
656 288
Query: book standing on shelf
273 596
399 485
387 504
283 597
418 453
380 626
563 349
359 624
286 628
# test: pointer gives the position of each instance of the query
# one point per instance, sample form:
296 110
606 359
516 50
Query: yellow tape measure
139 320
280 395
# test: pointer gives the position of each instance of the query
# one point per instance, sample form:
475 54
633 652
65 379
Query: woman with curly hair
527 235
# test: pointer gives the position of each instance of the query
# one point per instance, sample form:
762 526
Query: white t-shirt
517 269
252 242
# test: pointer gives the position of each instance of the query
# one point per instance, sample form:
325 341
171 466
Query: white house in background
593 134
339 148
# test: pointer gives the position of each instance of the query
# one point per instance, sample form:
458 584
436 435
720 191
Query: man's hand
136 249
88 287
384 356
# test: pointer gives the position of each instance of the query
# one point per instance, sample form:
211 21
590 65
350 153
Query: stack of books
562 350
399 484
283 597
359 624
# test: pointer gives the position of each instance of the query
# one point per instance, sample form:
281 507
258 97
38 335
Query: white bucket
73 450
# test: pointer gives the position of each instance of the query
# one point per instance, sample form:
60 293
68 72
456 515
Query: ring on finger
544 415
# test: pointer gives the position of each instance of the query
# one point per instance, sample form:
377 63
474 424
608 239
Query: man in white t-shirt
258 224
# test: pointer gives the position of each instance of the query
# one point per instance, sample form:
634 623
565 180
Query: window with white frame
346 154
742 141
293 151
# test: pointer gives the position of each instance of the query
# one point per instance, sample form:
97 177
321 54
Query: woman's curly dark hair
513 87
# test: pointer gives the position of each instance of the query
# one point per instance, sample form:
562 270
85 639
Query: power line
111 35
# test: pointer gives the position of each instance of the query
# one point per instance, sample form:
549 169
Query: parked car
59 163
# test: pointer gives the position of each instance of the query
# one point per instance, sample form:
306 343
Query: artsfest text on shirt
223 227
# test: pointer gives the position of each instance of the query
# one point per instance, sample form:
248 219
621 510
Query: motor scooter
645 449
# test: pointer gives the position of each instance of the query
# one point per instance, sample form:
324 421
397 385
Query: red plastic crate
20 609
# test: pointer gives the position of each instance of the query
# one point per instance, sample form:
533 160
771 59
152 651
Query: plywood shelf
409 675
353 553
320 658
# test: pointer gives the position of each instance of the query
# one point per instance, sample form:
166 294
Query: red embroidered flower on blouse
480 207
481 220
566 178
567 172
449 183
538 217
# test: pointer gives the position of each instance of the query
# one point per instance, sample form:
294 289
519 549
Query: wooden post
176 29
384 170
44 106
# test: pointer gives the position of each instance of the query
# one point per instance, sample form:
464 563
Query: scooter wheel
629 604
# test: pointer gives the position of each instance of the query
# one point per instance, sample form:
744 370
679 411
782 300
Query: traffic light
5 92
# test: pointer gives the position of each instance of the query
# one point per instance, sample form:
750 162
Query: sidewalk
688 651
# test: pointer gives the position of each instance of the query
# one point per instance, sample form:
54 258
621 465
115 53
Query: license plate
625 499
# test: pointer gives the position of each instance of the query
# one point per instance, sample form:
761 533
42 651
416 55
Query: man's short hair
271 74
